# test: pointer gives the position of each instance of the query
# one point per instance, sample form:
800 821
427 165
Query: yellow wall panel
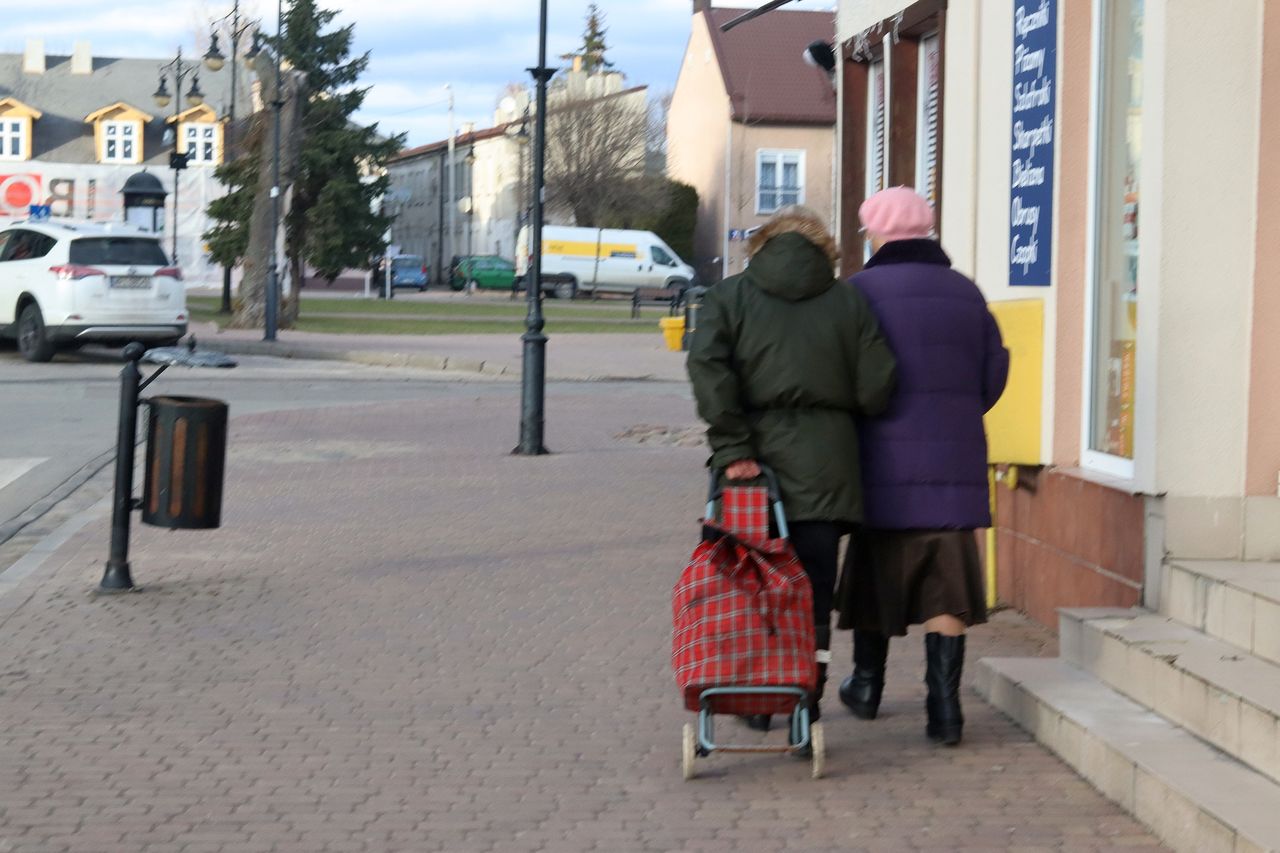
1014 425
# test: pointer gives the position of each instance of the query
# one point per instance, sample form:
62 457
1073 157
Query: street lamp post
179 69
214 61
470 160
271 314
534 362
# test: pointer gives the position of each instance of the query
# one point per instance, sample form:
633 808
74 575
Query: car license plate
131 282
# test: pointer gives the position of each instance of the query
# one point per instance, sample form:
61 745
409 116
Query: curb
372 358
420 361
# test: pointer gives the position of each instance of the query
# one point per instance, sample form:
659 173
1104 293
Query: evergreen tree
228 239
593 43
332 223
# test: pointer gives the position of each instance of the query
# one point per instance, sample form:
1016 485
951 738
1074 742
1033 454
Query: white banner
92 192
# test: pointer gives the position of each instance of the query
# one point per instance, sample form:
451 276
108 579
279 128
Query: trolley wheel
818 742
690 751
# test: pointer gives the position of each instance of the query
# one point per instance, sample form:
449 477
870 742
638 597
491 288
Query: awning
754 13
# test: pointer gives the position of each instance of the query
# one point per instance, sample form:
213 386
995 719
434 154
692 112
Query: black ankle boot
944 657
861 691
757 722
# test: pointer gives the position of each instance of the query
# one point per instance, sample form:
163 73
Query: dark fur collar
909 252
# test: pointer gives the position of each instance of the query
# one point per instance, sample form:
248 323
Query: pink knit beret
898 213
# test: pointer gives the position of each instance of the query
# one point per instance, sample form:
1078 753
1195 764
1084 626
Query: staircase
1174 715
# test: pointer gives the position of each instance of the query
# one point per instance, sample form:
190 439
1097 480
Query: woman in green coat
783 362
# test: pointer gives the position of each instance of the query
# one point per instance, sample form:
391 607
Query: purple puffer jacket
924 461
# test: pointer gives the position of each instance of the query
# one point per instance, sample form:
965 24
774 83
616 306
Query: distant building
74 128
751 126
492 176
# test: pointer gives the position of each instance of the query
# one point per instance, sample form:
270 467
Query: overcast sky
416 46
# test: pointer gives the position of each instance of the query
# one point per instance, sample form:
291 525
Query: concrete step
1195 798
1234 601
1210 687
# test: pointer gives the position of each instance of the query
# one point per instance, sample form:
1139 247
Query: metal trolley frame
803 736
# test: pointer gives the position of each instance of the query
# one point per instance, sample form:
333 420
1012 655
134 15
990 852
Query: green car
488 272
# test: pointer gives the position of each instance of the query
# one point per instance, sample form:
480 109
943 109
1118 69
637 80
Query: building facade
1101 168
482 210
751 127
1080 159
74 128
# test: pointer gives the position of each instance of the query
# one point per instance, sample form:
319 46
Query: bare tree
598 151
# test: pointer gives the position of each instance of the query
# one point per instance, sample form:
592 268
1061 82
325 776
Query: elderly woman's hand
744 469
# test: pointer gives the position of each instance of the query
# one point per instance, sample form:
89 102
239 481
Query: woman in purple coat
924 463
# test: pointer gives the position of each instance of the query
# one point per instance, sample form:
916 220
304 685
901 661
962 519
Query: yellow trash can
673 331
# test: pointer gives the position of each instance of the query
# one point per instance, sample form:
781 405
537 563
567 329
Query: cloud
415 46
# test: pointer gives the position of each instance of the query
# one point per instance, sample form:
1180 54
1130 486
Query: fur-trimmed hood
793 257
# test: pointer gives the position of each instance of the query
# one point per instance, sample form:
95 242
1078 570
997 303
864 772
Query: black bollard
117 577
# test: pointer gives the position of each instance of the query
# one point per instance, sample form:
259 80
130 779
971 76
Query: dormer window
201 143
119 142
13 139
17 122
117 133
199 135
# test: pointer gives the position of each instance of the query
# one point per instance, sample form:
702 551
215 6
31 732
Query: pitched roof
61 134
764 70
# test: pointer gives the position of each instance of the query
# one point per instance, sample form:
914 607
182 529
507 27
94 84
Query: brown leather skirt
893 579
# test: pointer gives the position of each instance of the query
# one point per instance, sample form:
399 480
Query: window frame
132 135
1100 127
21 136
779 156
192 154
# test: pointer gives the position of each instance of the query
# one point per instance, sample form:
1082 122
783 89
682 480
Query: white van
604 260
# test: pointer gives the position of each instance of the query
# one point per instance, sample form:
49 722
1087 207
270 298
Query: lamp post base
533 382
117 578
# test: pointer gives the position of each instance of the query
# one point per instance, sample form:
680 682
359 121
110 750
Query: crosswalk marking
12 469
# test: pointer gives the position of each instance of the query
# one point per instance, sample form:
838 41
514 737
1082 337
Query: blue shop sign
1035 99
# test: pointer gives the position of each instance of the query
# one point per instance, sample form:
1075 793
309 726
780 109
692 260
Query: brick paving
406 640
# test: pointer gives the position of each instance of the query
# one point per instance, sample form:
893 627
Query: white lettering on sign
1020 216
1026 175
1028 61
1027 140
1029 96
1024 256
1026 22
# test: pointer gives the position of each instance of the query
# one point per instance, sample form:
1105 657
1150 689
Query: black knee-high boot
861 691
944 658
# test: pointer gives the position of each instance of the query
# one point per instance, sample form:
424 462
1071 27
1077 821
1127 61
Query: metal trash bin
186 460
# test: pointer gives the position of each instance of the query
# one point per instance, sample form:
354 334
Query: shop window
201 143
779 180
119 141
13 139
1115 240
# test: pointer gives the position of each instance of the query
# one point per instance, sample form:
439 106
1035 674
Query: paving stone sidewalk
405 639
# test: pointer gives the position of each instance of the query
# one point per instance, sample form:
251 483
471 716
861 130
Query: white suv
64 284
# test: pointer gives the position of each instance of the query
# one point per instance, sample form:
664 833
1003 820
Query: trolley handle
716 490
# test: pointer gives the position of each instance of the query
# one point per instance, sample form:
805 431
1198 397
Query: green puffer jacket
783 361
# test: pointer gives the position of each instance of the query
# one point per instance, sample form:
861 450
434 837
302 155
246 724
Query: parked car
589 260
64 284
406 271
487 272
